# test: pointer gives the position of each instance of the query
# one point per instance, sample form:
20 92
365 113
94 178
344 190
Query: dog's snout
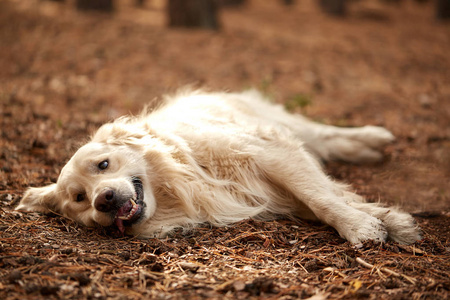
105 202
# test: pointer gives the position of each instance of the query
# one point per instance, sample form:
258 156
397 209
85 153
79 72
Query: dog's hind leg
356 145
350 144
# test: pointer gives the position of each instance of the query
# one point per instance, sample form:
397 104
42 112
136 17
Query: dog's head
102 184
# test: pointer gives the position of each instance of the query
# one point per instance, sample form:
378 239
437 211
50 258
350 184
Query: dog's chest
229 167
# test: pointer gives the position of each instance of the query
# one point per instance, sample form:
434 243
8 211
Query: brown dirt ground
64 73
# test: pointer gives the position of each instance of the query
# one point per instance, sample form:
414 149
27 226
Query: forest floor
64 73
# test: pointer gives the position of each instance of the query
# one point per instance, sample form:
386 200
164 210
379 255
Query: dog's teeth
132 211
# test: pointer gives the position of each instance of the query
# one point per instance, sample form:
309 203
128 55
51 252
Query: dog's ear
121 134
42 199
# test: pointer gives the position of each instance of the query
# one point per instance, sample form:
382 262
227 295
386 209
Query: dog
219 158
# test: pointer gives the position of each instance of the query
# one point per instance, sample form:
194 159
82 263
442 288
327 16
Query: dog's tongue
123 211
119 224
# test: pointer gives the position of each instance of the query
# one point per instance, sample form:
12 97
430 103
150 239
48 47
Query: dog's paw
375 137
359 145
363 228
401 227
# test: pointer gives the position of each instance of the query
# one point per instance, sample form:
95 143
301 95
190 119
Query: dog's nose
105 202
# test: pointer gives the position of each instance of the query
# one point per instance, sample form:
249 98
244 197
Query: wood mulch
52 256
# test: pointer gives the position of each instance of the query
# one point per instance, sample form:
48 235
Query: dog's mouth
132 210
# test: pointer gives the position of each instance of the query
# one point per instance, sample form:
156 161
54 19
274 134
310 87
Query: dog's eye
103 165
80 197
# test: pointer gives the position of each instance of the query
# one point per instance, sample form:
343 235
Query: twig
386 270
334 271
304 269
248 234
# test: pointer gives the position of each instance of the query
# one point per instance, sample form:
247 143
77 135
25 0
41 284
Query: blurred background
68 66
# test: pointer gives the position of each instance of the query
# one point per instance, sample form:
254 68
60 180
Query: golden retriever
219 158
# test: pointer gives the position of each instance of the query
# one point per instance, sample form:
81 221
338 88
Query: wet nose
105 202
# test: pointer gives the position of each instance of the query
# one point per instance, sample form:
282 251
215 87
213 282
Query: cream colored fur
221 158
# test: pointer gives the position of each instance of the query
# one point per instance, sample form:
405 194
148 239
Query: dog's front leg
296 171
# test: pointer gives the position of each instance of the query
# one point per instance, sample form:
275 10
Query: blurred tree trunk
443 9
288 2
101 5
193 13
333 7
231 2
